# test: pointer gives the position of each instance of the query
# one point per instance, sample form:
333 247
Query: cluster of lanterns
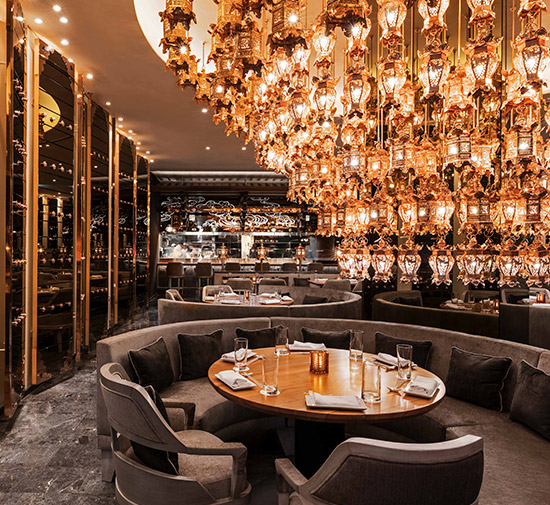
401 153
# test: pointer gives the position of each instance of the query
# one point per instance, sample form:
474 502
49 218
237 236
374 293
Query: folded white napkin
231 301
337 402
234 380
306 346
230 356
267 295
270 301
209 298
423 386
287 298
229 295
388 359
454 306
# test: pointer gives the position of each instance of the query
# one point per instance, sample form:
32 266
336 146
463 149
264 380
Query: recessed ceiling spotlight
130 131
139 143
63 20
38 21
53 180
243 148
208 148
64 42
57 8
152 161
138 148
19 18
107 104
89 76
71 60
147 152
121 119
205 110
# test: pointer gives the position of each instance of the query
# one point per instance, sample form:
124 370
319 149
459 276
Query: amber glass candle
318 362
541 297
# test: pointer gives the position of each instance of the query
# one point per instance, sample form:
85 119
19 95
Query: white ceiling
105 39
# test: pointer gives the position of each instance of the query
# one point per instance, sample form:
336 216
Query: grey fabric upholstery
508 446
213 470
365 471
506 293
343 305
237 284
272 282
476 323
476 295
539 326
115 350
514 322
340 284
315 267
289 267
232 266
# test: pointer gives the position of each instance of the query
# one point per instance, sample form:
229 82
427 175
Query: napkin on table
270 301
231 301
335 401
234 380
388 359
306 346
230 356
423 386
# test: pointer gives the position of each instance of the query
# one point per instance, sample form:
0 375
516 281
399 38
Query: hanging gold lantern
287 15
441 262
482 64
434 72
532 57
482 10
409 261
382 260
378 164
475 264
510 263
392 77
356 92
324 97
433 13
391 14
249 43
536 262
323 42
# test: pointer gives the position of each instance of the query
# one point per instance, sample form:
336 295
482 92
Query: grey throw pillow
152 365
162 461
334 339
477 378
198 352
387 344
265 337
313 300
531 403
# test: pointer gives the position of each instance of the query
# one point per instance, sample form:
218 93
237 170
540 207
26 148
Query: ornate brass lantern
441 262
382 259
409 261
510 263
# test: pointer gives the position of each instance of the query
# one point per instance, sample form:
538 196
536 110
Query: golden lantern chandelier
386 136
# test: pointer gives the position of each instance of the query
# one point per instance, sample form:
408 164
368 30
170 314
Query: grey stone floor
50 455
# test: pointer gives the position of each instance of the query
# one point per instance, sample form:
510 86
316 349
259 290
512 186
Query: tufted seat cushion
517 463
434 425
212 411
213 472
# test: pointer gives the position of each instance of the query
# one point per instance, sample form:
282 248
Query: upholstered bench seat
212 411
517 463
434 425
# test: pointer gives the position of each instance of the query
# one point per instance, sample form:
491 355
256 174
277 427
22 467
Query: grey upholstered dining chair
362 471
477 295
339 284
290 266
272 282
240 284
173 294
232 266
211 471
215 289
315 267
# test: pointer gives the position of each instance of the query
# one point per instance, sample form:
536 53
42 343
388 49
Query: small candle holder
541 298
318 362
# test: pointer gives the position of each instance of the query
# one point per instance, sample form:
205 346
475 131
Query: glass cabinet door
126 287
142 232
54 337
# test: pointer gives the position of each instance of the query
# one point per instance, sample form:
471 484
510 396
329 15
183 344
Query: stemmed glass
241 353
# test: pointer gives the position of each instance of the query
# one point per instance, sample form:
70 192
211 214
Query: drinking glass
371 385
404 361
356 345
281 345
270 375
241 352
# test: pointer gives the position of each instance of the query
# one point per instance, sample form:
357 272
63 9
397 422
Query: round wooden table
318 431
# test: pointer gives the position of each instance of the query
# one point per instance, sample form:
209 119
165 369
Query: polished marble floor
50 454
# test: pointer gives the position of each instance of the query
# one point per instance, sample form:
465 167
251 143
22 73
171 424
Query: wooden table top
295 380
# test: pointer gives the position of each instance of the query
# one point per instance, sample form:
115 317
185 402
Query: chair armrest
238 452
288 476
178 418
